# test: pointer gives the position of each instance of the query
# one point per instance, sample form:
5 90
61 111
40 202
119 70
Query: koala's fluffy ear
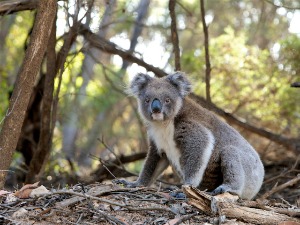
179 80
138 83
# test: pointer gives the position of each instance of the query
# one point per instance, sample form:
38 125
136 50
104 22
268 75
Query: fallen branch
227 205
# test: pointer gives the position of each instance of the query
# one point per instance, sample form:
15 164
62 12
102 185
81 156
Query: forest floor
278 202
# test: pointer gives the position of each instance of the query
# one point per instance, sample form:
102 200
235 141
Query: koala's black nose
156 106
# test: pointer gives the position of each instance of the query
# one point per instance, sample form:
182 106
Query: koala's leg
196 144
154 165
233 172
161 166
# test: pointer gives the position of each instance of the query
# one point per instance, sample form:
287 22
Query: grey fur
202 149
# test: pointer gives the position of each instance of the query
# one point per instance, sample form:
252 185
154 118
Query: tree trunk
24 84
44 144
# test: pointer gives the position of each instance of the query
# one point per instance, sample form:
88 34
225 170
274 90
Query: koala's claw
218 190
126 183
222 189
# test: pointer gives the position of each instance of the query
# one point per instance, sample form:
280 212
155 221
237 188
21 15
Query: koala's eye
167 100
147 100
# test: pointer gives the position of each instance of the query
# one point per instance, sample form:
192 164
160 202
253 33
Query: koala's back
230 149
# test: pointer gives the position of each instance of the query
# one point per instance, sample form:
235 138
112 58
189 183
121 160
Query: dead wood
227 205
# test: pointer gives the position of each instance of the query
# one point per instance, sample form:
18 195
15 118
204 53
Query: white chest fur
163 136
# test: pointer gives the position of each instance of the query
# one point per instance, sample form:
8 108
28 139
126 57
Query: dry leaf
11 198
25 191
30 186
39 191
2 192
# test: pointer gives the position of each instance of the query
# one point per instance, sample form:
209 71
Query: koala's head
160 99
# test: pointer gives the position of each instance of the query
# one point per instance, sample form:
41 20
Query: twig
284 173
129 207
280 187
174 34
103 164
108 217
112 152
184 8
105 215
78 220
206 47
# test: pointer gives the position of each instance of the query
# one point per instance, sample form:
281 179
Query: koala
204 151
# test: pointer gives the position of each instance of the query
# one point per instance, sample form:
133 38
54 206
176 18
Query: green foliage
290 55
246 80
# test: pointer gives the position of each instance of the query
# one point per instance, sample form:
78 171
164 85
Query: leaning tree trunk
45 136
24 84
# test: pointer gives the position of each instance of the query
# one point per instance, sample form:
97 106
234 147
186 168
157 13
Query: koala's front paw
126 183
219 190
222 189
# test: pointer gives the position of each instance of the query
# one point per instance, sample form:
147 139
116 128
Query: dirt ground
108 203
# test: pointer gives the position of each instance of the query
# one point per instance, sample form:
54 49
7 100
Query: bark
174 35
109 47
12 6
44 144
24 84
242 210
